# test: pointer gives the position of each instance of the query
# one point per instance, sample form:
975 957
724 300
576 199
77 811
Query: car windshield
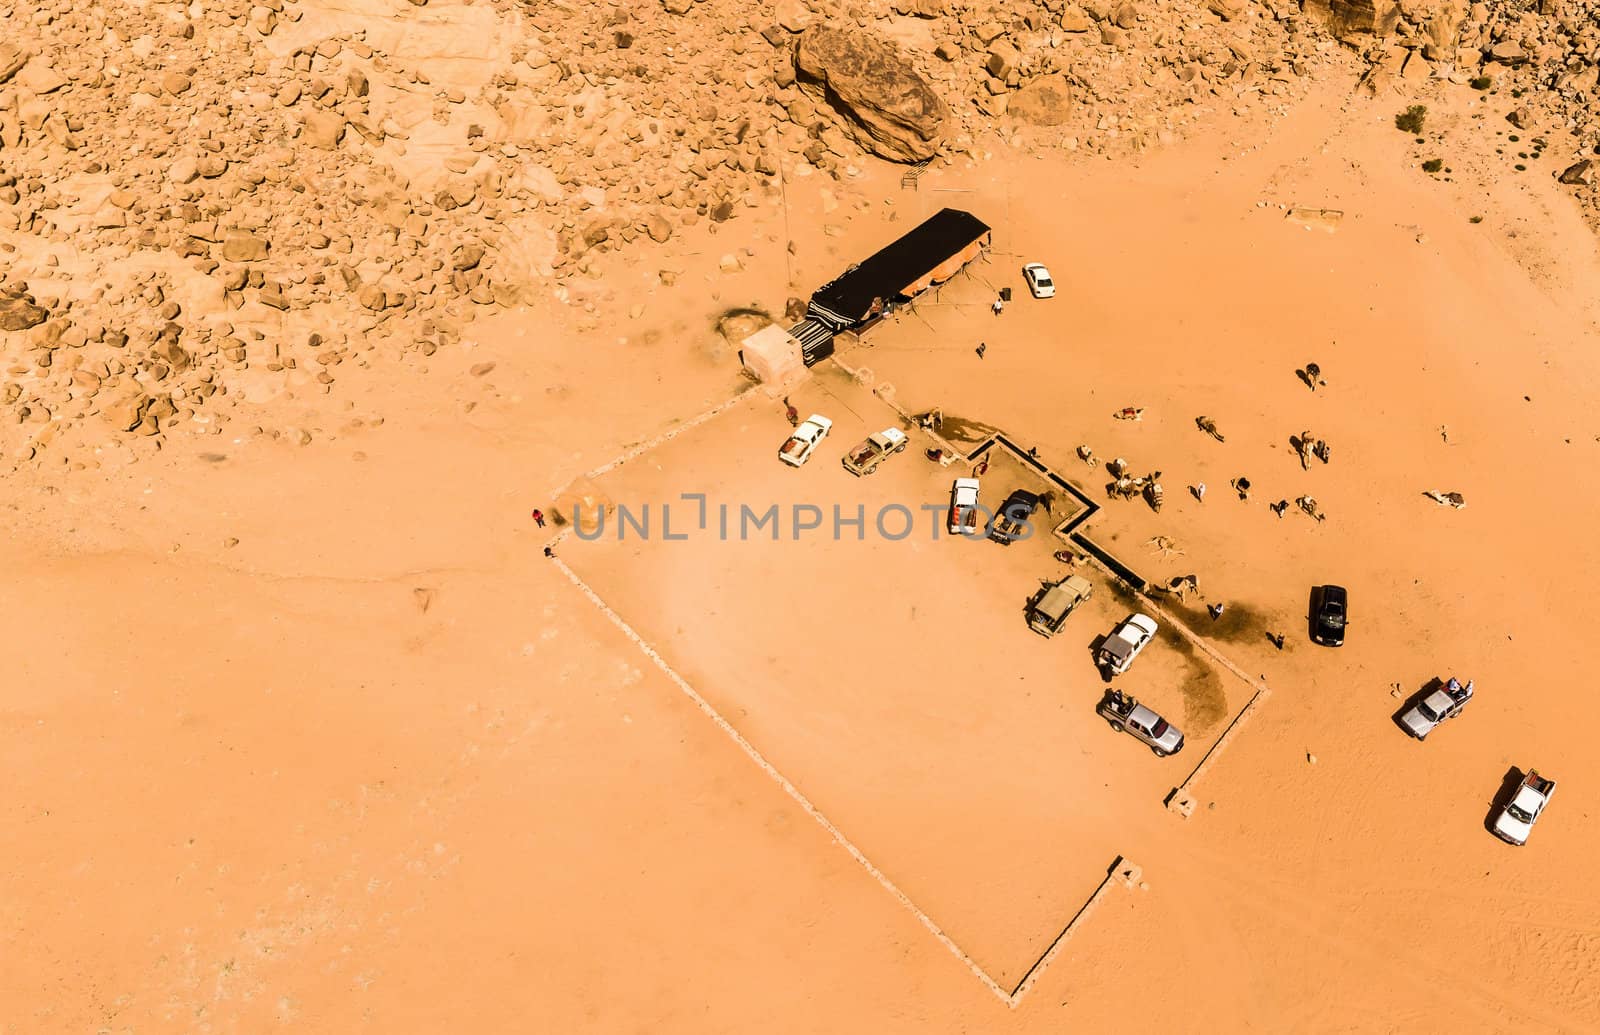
1516 812
1043 280
1159 730
1428 713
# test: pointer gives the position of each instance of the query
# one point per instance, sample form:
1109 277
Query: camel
1087 456
1125 487
1447 499
1309 505
1130 413
1303 445
1209 426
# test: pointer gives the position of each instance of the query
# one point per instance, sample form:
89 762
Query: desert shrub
1411 119
1433 165
1482 82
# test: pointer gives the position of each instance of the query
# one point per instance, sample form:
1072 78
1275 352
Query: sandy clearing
986 789
599 874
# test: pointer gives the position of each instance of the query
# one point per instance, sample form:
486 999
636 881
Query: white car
798 449
1514 822
1122 646
1039 281
964 507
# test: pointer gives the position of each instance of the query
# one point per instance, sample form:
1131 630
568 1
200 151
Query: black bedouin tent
929 254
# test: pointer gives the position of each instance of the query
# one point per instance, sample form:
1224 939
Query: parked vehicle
798 449
1330 613
1119 649
1011 523
963 518
873 450
1126 714
1050 611
1039 282
1515 819
1444 702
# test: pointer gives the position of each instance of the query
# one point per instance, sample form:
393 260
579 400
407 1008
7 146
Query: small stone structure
772 354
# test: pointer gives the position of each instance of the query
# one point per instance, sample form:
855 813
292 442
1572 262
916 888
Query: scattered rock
1046 101
19 313
1508 52
1577 174
243 246
324 129
11 59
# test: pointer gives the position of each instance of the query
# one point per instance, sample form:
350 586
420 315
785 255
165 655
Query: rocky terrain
203 205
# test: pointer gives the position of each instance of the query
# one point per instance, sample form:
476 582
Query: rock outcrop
1347 17
890 108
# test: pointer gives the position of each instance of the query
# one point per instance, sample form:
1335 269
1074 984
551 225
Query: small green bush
1482 82
1411 119
1475 219
1433 165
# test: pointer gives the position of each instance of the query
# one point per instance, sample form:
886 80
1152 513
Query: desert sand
303 730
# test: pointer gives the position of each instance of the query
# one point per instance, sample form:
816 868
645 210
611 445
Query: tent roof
901 264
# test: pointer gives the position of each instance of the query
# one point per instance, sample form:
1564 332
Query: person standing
538 517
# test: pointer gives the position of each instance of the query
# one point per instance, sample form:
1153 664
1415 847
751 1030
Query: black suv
1011 523
1330 613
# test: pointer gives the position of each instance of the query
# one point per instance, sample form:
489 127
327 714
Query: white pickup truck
1119 649
797 449
964 507
1514 822
873 450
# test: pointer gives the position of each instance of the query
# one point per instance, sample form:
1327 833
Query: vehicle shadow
1508 788
1421 695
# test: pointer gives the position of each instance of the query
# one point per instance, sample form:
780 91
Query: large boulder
1046 101
18 311
1345 17
890 109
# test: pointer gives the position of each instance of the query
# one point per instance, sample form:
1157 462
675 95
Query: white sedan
1039 281
799 447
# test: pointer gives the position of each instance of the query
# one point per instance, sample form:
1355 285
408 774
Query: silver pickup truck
1444 702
